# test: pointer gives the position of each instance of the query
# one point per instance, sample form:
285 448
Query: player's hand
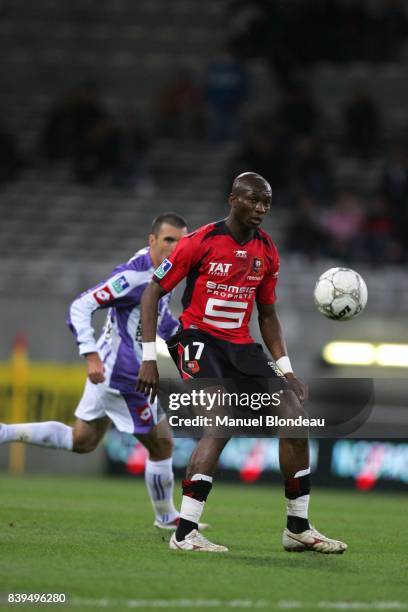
297 386
148 379
94 368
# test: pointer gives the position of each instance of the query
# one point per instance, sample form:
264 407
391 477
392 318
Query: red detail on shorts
193 366
145 413
103 295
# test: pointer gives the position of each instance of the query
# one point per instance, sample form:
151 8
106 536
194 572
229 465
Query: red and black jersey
224 278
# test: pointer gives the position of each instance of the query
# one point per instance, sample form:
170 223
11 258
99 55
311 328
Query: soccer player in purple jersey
112 365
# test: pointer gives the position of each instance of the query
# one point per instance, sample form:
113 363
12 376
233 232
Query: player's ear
152 240
231 199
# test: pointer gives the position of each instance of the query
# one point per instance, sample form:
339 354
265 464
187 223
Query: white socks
50 434
298 507
160 484
192 509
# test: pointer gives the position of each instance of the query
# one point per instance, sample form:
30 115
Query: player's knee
163 449
84 444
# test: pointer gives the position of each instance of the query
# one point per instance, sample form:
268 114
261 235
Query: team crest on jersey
193 366
257 265
145 414
103 295
241 254
164 267
120 284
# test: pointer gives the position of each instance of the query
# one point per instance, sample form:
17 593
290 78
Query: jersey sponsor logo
215 309
120 284
241 254
230 291
257 265
164 267
103 295
254 278
219 269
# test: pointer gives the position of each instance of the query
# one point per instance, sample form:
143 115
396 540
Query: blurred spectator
392 28
362 124
395 189
246 26
304 233
57 140
395 177
133 162
355 24
342 224
98 152
11 162
378 241
311 170
267 152
292 33
298 112
179 107
69 120
225 92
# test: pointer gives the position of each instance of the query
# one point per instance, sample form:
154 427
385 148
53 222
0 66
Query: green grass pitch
93 539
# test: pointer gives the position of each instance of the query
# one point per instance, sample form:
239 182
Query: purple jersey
120 345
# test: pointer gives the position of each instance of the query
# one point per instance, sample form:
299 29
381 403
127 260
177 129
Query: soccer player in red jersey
228 266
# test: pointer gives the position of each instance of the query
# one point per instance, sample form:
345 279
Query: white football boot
172 525
311 540
195 541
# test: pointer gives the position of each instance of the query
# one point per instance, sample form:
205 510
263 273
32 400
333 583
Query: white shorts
130 412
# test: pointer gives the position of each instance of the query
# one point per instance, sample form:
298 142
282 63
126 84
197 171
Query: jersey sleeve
122 288
266 292
172 270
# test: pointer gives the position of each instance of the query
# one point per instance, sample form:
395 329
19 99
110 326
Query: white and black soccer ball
340 294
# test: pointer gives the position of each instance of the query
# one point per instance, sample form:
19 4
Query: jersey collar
229 233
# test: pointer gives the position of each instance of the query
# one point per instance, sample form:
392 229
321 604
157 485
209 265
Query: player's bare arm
148 379
272 335
95 369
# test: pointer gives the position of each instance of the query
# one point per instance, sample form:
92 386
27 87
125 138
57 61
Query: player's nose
260 207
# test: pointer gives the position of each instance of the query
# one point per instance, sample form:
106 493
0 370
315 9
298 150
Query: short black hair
168 217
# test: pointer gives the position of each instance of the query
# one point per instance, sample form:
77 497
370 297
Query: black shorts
198 354
206 362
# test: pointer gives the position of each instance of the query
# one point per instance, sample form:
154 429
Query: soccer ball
340 294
